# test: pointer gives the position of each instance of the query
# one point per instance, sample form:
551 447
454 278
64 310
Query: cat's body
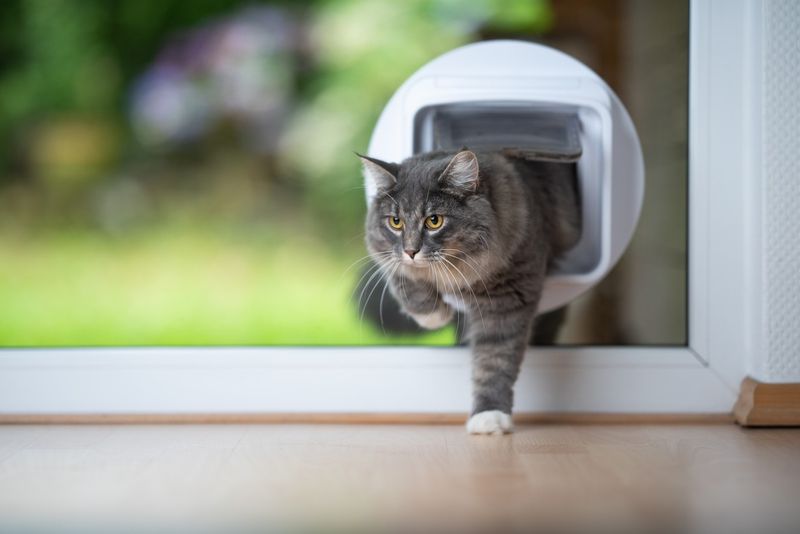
474 233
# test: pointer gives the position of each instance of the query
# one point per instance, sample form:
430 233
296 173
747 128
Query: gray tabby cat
474 233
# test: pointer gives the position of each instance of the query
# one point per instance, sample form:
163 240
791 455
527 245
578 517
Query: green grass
180 287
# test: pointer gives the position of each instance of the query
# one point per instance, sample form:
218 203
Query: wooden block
762 404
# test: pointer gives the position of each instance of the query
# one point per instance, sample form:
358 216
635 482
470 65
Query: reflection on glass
178 173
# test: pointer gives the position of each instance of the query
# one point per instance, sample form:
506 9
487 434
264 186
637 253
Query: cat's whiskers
370 274
437 275
436 280
464 257
469 287
383 294
456 285
366 274
453 289
369 270
364 259
380 273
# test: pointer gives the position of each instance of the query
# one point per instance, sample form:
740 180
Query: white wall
775 190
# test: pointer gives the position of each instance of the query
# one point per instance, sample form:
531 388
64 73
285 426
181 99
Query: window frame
701 377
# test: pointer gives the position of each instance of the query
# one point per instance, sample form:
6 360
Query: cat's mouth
417 262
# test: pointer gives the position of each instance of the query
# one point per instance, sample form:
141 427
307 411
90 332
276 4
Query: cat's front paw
435 320
490 422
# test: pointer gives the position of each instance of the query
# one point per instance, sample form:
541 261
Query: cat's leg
422 302
498 346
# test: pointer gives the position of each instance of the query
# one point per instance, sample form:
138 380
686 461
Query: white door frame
701 377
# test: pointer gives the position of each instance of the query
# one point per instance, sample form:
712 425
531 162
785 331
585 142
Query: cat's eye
433 222
396 222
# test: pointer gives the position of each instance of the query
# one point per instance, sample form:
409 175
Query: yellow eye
433 222
396 222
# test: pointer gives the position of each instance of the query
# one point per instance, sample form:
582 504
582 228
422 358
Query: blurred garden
181 172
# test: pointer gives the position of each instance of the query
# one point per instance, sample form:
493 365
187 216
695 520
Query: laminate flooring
398 478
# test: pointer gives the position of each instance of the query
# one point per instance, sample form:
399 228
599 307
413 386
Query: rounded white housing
513 94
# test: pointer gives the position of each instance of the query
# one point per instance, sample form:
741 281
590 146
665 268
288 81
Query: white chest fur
455 302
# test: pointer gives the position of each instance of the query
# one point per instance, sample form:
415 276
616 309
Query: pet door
541 104
531 132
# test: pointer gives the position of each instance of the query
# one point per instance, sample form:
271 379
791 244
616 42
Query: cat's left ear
462 172
381 173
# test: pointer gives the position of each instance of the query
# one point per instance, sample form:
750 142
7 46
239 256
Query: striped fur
505 221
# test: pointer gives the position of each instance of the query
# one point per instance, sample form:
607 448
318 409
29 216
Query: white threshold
349 380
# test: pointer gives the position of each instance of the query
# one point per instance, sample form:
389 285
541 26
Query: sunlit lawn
180 287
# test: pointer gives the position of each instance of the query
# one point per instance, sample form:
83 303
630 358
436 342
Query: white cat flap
538 103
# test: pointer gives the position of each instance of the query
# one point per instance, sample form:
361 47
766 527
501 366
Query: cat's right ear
380 173
462 173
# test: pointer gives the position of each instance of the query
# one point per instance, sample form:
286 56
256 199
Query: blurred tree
363 50
78 58
107 238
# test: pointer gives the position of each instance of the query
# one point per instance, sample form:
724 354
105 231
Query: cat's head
429 213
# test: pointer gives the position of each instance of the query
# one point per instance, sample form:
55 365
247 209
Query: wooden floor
228 478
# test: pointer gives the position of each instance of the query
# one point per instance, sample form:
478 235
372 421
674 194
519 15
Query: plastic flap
535 133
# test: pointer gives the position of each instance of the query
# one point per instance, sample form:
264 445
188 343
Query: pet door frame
701 377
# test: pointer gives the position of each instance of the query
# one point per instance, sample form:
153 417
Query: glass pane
182 173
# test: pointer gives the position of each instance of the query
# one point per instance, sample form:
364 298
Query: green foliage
59 50
79 55
66 70
364 49
62 57
179 286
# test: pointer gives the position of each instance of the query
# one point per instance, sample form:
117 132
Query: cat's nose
411 252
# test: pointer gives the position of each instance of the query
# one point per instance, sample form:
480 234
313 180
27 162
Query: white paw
490 422
435 320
